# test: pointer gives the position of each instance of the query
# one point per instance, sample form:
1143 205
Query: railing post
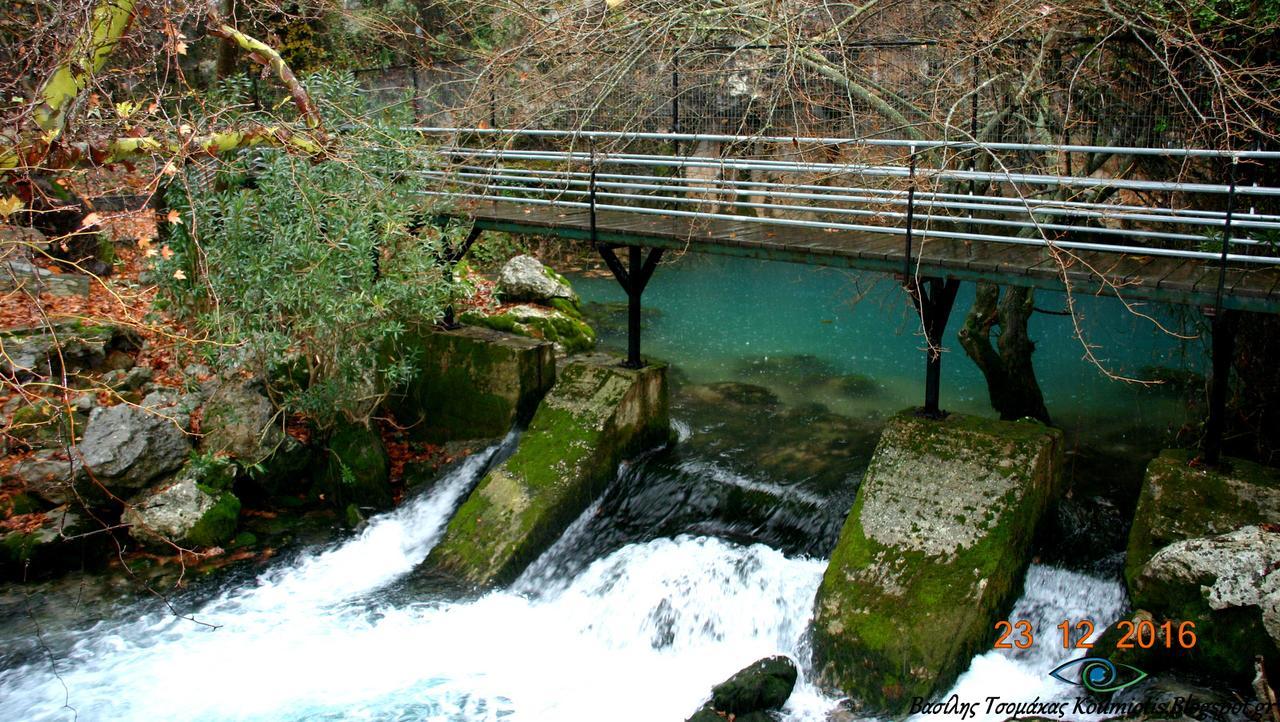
1223 327
633 308
911 205
675 105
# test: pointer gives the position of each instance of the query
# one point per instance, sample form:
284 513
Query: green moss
893 623
218 524
561 327
473 384
358 470
244 539
1179 501
566 457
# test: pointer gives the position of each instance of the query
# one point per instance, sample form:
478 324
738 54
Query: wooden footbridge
902 207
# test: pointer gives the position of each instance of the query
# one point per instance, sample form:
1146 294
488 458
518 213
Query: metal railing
1193 220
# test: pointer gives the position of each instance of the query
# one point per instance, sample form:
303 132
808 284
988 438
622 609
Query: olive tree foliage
1091 72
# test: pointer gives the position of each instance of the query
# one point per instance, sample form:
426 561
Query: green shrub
315 262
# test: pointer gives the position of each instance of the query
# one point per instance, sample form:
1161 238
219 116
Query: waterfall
641 633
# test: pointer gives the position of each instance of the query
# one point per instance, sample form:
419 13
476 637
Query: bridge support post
450 259
933 299
633 279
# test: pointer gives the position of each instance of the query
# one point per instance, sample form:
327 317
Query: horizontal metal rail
883 171
1101 210
890 230
773 194
880 142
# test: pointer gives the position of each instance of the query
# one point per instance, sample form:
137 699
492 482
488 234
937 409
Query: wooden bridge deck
1171 280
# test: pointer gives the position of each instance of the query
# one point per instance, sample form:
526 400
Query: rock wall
597 414
932 553
474 383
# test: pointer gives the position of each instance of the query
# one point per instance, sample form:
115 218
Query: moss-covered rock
1223 585
569 333
1180 501
474 383
194 509
597 414
358 470
42 537
932 553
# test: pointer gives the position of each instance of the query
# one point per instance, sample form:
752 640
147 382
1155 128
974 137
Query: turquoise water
784 326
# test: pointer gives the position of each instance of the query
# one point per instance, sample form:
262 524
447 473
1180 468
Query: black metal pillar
633 278
450 258
933 299
1223 327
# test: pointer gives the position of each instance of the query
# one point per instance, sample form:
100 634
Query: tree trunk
1007 367
228 51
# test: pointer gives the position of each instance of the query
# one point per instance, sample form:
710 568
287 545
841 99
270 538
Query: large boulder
763 686
597 414
1229 587
1180 501
192 509
240 422
524 278
474 383
932 553
127 447
562 327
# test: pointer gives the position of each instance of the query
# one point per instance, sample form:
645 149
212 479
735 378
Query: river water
698 560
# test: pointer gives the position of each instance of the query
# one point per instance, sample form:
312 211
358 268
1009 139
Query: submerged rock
931 554
183 511
597 414
474 383
1227 585
758 688
525 278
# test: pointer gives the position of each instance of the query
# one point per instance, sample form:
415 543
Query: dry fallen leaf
91 219
178 274
165 252
174 217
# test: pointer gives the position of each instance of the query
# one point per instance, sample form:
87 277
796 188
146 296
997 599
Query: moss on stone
1179 501
906 602
358 470
473 383
597 414
218 524
566 329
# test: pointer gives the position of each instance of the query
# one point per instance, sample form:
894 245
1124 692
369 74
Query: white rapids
641 634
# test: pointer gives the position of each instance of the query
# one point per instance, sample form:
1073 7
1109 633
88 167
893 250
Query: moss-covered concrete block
597 414
474 383
932 553
1180 501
